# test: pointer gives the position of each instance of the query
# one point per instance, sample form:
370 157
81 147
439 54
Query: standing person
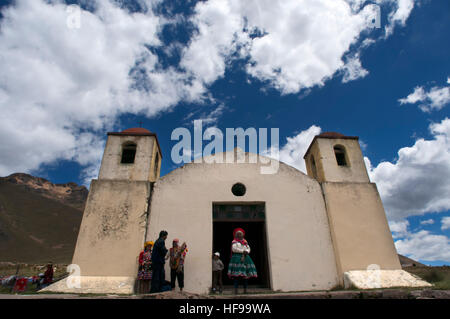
241 266
145 268
217 267
48 275
177 257
158 259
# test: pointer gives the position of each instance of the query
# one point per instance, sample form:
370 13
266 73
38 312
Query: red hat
238 229
176 240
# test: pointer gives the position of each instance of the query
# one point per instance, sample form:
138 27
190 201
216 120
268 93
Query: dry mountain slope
39 220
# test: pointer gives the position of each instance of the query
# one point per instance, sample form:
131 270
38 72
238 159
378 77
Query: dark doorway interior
255 234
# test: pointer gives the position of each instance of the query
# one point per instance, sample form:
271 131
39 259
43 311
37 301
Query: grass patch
29 270
438 276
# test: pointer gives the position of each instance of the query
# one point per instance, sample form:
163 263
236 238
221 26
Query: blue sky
302 67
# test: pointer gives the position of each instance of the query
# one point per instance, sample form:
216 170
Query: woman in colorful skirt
241 266
145 268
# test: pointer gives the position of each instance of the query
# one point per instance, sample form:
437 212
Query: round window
238 189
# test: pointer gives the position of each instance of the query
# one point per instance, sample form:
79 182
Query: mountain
69 194
39 220
408 262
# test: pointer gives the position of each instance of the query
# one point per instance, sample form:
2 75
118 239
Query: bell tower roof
330 135
134 131
137 131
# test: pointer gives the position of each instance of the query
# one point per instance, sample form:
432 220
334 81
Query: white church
318 231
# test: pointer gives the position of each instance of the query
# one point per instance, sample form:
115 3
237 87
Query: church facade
318 231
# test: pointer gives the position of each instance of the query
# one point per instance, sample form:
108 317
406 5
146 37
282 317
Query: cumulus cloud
445 223
424 245
212 117
427 222
418 95
434 99
421 245
353 70
399 15
399 228
418 181
61 86
290 44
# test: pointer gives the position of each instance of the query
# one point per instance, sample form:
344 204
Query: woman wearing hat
177 256
241 266
145 268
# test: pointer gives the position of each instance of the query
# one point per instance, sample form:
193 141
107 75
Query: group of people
151 274
20 283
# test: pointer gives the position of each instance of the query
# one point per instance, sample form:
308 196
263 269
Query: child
217 267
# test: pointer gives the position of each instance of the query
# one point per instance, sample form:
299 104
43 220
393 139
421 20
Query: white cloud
60 86
418 95
438 97
353 70
435 99
399 228
295 148
404 8
424 245
212 117
418 182
400 15
427 222
362 144
216 22
305 41
290 44
445 221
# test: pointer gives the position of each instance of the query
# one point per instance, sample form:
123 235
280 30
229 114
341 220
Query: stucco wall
113 228
359 227
314 152
300 250
140 170
155 166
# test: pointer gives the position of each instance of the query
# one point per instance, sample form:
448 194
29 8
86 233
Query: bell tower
334 157
133 154
358 224
114 224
